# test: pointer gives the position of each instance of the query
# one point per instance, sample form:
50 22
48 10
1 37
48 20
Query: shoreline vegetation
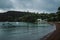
18 16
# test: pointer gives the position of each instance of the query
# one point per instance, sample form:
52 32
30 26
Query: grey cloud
47 5
5 4
40 5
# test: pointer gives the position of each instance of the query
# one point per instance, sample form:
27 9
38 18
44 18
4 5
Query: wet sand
54 35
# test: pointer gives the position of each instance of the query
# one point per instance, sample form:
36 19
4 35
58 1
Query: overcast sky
30 5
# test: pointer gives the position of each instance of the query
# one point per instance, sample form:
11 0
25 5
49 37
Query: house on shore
40 21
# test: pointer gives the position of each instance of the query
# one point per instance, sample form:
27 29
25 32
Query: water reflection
30 32
4 34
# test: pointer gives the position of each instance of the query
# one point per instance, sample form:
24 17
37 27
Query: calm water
24 31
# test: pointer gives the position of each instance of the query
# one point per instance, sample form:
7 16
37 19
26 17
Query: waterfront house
40 21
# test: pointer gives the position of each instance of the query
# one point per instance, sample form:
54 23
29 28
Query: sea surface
24 31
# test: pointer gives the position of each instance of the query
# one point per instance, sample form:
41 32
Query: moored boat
7 25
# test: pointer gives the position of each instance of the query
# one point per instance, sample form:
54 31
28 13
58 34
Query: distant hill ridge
19 16
10 15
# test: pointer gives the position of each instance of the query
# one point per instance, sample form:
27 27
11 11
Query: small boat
17 23
7 25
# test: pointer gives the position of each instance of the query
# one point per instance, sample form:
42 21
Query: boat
8 25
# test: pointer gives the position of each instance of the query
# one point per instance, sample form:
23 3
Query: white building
41 21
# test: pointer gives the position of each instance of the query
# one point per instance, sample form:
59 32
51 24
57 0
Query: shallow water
25 31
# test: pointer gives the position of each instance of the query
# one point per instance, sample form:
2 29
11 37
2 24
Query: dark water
25 31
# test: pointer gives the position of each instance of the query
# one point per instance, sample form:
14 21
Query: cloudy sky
30 5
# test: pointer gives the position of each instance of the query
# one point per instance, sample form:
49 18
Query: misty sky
30 5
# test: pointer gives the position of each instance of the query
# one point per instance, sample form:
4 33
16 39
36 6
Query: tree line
18 16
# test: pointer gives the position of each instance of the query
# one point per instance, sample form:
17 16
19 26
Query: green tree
59 8
58 14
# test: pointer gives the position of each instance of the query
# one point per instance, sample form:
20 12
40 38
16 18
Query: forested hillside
18 16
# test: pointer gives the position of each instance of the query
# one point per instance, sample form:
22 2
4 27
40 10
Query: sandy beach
54 35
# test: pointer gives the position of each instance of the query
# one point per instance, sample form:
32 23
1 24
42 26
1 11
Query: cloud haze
30 5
